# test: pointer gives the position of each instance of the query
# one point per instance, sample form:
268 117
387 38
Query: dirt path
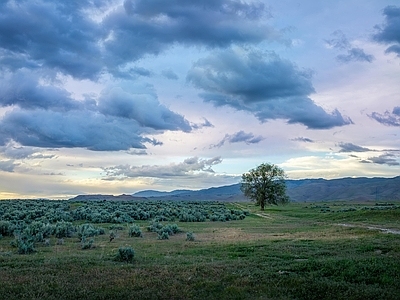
384 230
262 214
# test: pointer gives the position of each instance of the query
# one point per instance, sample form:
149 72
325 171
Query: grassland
297 251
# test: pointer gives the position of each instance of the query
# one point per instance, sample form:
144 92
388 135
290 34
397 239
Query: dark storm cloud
39 40
189 166
239 137
50 34
389 32
387 118
47 116
263 84
85 129
22 88
149 26
67 38
350 147
384 159
340 41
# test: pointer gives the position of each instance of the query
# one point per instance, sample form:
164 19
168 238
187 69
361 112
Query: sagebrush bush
190 236
88 230
135 231
87 243
154 227
126 254
24 242
64 229
6 228
163 235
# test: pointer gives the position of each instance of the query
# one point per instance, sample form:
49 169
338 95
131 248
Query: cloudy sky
112 96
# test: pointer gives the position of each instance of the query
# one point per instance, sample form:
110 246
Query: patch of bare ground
264 215
225 235
384 230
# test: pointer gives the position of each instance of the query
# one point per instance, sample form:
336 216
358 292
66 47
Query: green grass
290 252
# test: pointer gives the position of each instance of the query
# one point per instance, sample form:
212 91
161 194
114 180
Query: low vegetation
55 249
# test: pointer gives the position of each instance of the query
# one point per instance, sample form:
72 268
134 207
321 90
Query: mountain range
302 190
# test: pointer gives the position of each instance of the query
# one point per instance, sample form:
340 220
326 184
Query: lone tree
265 184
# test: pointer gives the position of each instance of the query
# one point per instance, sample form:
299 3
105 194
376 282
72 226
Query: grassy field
298 251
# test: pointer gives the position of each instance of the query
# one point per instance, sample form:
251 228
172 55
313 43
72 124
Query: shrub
214 218
175 229
163 235
190 236
64 229
116 227
135 231
88 230
154 227
6 228
125 254
24 242
86 244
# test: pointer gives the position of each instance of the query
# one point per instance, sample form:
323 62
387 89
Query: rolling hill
310 190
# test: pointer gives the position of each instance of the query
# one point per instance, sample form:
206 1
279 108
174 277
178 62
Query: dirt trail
262 214
384 230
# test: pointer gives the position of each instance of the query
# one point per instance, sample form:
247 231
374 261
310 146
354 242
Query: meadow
208 250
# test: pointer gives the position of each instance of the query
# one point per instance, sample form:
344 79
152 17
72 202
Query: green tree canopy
265 184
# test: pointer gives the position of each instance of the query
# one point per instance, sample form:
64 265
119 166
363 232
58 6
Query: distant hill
153 193
99 197
310 190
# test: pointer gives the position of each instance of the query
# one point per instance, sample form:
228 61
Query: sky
112 97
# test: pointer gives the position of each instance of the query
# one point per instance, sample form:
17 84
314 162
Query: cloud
384 159
303 139
389 32
90 38
42 41
340 42
261 83
239 137
14 151
141 71
350 147
7 165
48 116
22 88
55 35
146 27
169 74
205 123
189 167
355 54
141 105
84 129
387 118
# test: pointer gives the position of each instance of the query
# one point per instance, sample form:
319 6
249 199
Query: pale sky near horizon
112 96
